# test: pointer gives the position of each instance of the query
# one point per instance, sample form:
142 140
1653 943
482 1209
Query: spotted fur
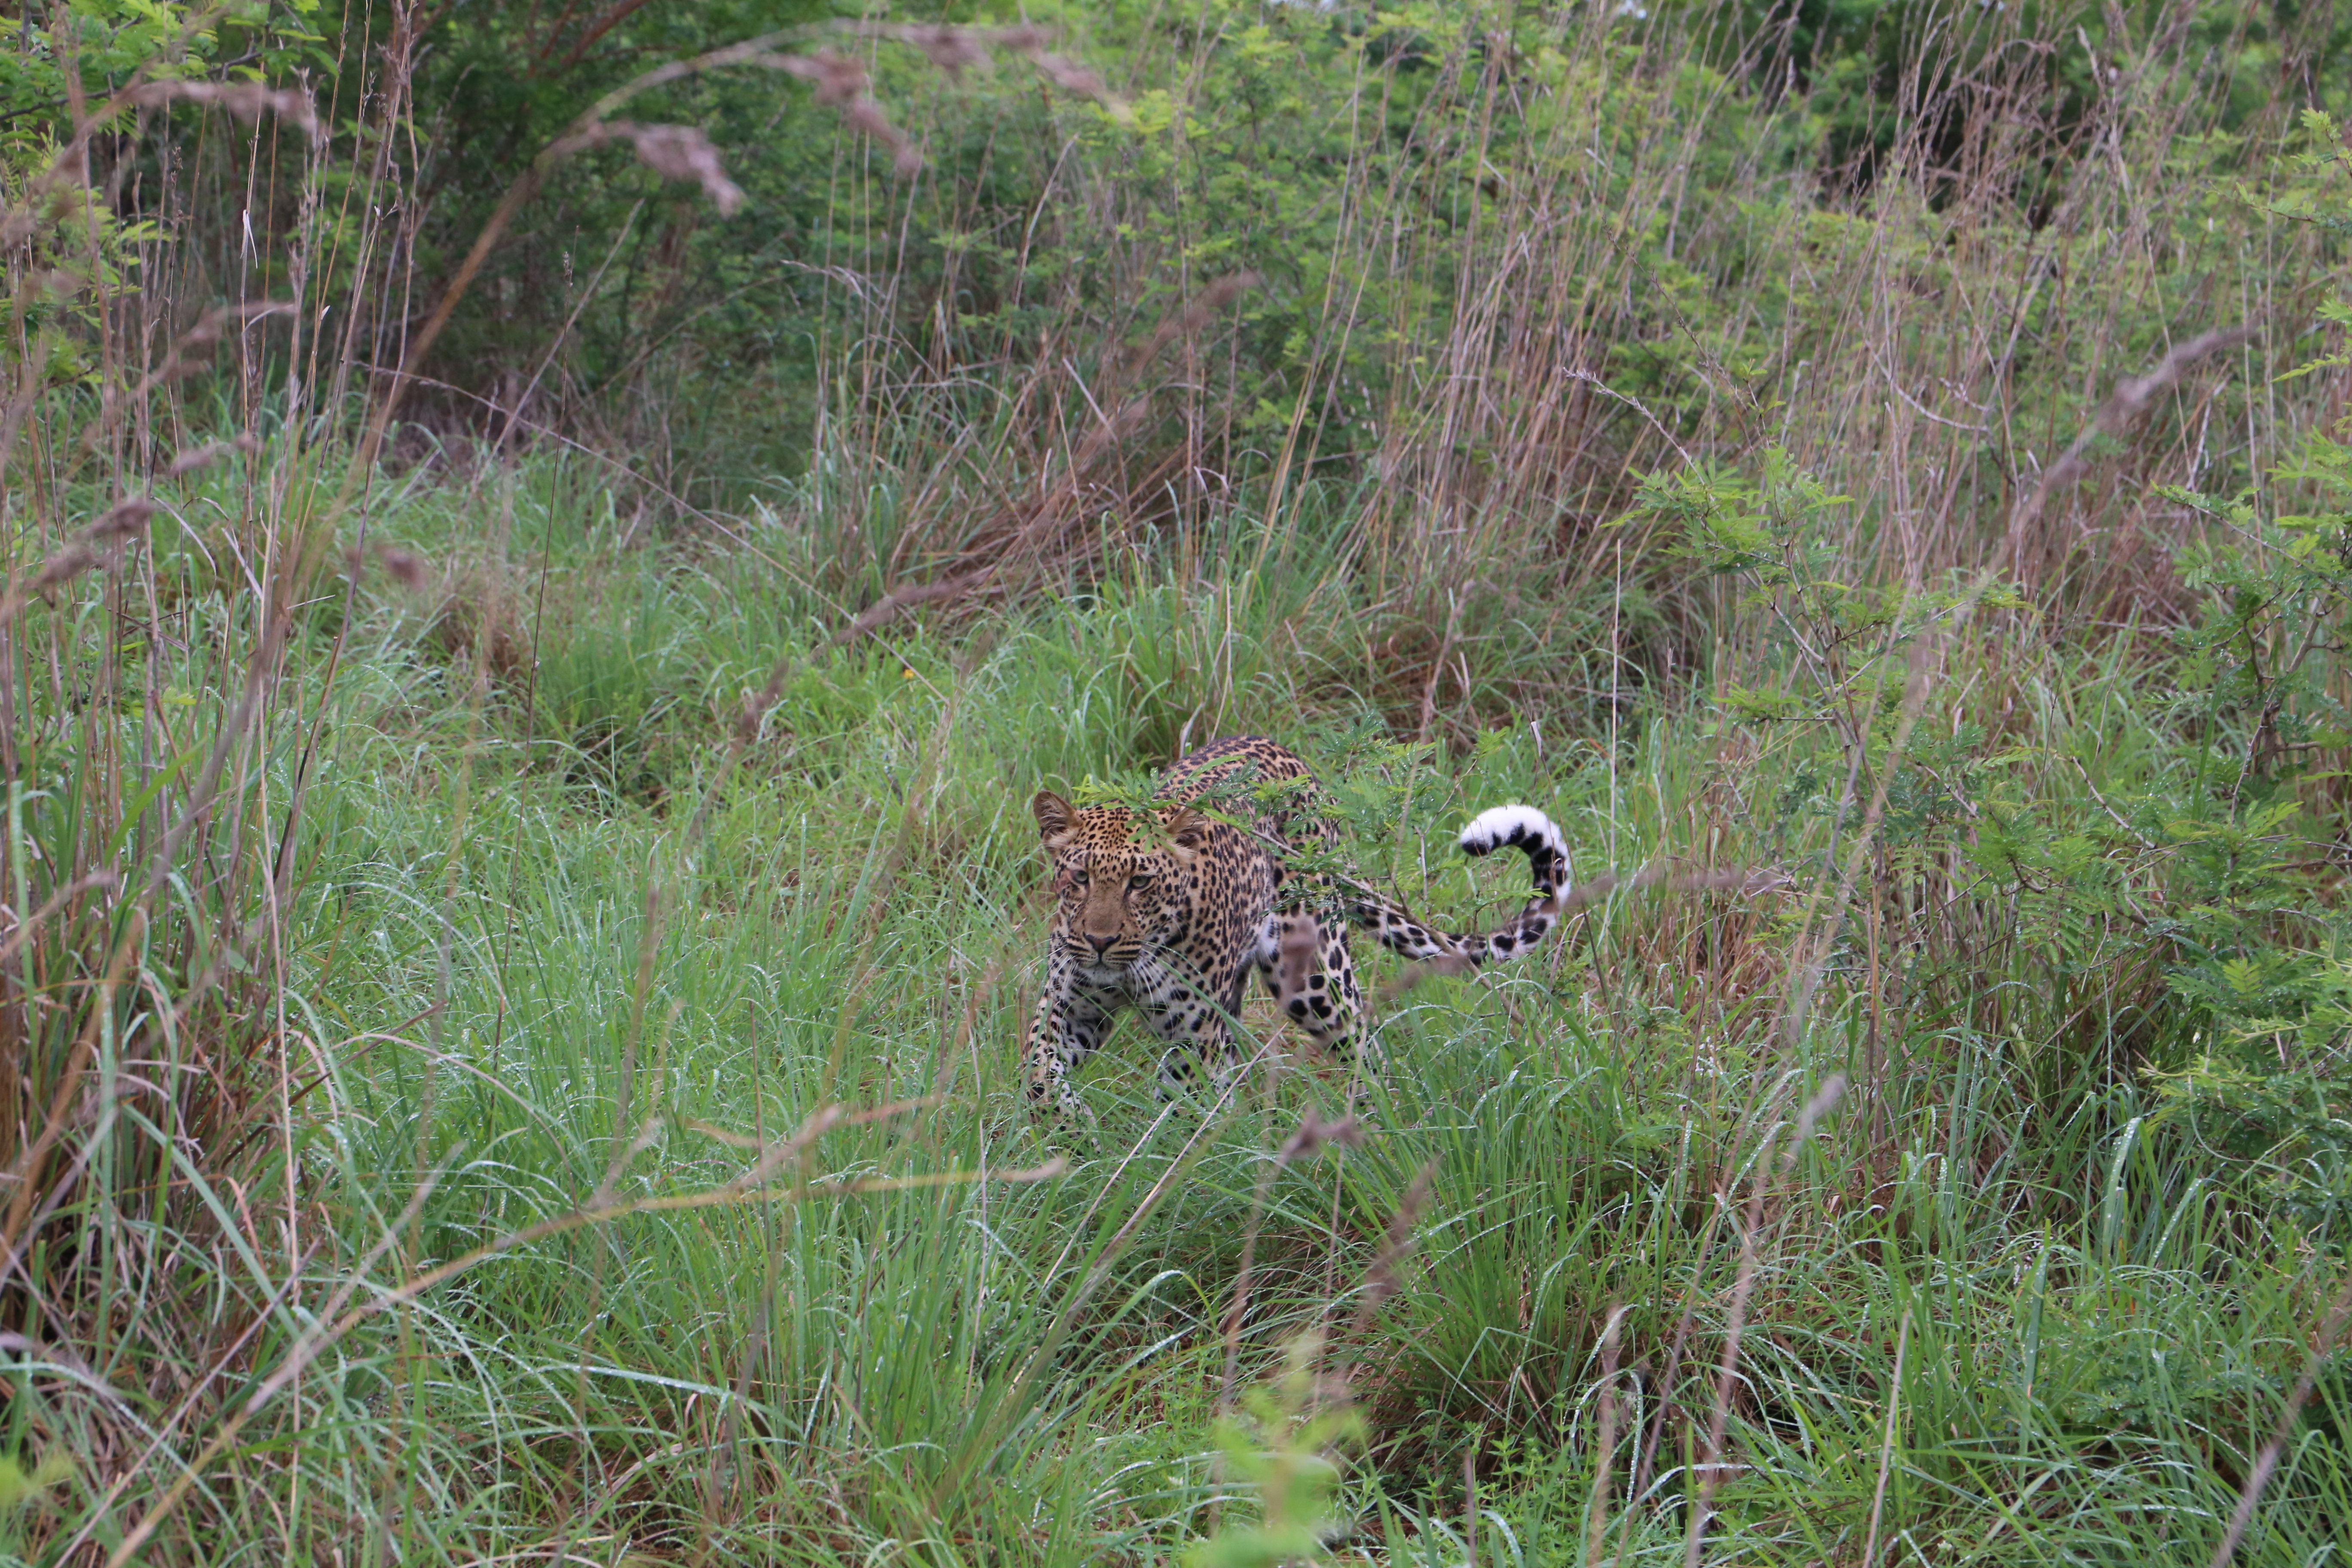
1168 913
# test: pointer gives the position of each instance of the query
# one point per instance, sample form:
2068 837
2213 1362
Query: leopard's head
1122 882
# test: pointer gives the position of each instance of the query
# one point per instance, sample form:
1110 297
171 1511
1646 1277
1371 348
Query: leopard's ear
1054 816
1187 827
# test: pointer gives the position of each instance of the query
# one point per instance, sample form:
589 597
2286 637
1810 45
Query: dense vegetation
547 553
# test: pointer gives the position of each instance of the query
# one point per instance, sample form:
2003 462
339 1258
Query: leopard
1167 911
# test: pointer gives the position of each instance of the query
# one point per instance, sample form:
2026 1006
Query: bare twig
1886 1446
2131 398
1381 1280
1605 1443
1586 378
1313 1133
2258 1480
23 930
1727 1369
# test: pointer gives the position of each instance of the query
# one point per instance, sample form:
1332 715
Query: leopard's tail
1518 827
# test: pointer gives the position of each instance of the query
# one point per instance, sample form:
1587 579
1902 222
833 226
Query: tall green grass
515 986
509 1040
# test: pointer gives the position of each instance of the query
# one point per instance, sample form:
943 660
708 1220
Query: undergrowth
513 976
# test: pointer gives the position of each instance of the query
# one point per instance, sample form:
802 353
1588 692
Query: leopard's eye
1080 878
1138 882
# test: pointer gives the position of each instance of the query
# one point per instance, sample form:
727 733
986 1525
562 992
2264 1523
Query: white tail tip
1519 827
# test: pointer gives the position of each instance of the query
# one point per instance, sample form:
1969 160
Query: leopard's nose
1101 944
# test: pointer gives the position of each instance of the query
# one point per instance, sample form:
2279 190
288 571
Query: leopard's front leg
1070 1026
1199 1030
